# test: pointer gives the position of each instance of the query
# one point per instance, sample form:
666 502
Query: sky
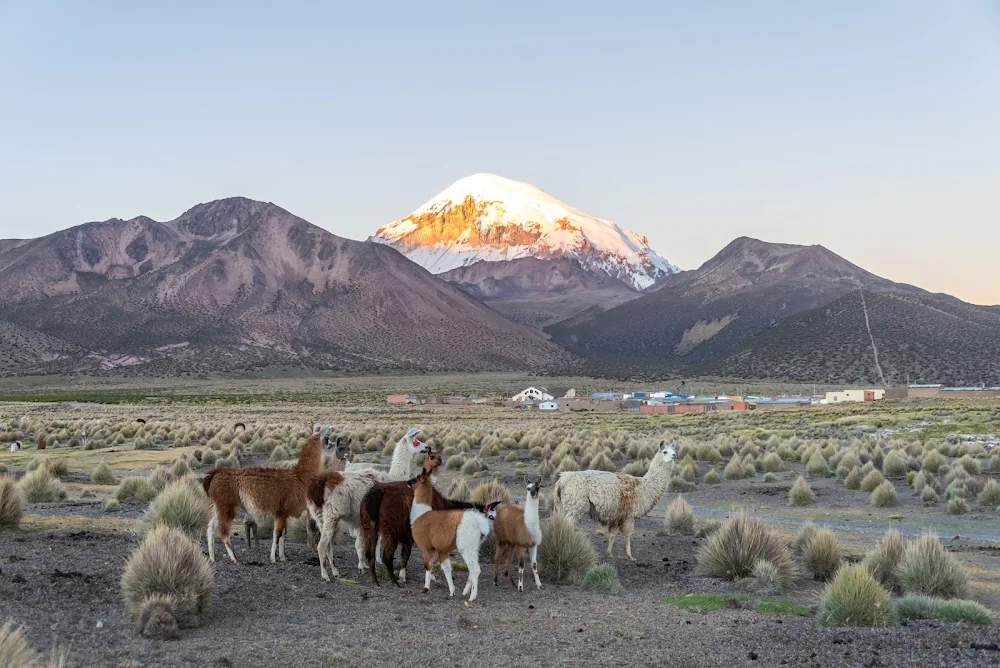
870 127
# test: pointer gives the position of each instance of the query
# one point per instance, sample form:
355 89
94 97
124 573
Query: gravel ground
63 585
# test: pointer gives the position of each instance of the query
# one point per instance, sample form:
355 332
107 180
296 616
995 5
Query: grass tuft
602 579
11 503
135 488
679 518
916 606
103 475
822 555
855 598
490 491
566 554
928 568
731 552
179 505
883 560
884 495
40 487
801 494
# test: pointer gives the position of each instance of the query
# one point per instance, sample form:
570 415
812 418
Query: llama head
417 447
413 482
433 462
533 487
490 512
668 452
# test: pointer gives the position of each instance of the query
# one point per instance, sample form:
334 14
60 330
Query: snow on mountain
488 217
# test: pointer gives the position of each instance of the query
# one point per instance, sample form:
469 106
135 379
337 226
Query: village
557 399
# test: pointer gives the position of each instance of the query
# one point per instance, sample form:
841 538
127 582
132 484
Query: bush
40 487
933 461
929 496
136 488
958 506
11 504
767 577
474 465
103 475
160 477
883 560
565 554
853 479
916 606
970 465
884 495
731 552
279 454
817 467
802 539
855 598
679 517
111 505
459 490
734 469
894 465
490 491
772 463
14 648
209 458
603 579
169 564
822 555
871 481
58 467
928 568
712 477
990 495
180 506
801 494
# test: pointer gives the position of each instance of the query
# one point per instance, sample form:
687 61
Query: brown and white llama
335 497
517 528
440 532
276 491
385 520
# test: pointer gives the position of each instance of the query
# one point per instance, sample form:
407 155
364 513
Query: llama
279 492
15 446
385 520
379 468
615 500
440 532
335 497
517 528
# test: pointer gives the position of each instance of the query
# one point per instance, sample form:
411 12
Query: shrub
933 461
136 488
103 475
512 457
180 468
180 506
455 463
734 469
58 467
872 481
911 477
769 477
474 465
822 555
929 496
170 564
14 648
920 481
767 577
712 477
970 465
279 454
11 504
209 458
855 598
884 495
928 568
637 468
894 465
883 560
679 517
490 491
802 539
603 579
853 479
731 552
990 495
160 477
40 487
801 494
916 606
772 463
817 467
111 505
565 554
459 490
958 506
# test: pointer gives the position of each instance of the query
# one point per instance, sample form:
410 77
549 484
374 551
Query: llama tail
206 482
371 507
316 491
557 494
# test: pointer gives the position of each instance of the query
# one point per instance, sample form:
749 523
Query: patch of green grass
628 634
706 602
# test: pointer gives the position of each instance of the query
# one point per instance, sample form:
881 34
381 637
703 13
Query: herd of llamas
386 508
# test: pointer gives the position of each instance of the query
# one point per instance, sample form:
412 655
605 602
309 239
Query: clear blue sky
870 127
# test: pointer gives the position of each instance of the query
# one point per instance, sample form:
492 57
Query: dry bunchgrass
884 495
11 503
767 577
103 475
169 564
487 492
926 567
40 487
990 494
916 606
459 490
14 648
817 466
679 518
135 488
566 553
179 505
712 477
855 598
872 480
731 552
853 479
801 494
602 579
883 560
822 555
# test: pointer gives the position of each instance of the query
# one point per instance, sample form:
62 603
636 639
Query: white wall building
532 394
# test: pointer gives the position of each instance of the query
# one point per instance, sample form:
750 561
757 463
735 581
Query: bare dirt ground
63 584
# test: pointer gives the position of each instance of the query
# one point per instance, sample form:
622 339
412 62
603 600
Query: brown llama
517 529
441 532
279 492
385 520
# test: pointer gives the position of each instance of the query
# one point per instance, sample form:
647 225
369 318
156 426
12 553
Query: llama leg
611 539
474 571
520 568
388 559
359 547
405 558
428 565
446 567
213 525
627 530
325 548
533 550
497 556
513 555
225 523
274 543
281 538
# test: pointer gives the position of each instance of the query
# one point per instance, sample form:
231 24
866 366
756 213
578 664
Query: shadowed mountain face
921 337
539 292
238 283
695 316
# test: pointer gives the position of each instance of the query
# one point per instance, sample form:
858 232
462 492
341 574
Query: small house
548 406
532 394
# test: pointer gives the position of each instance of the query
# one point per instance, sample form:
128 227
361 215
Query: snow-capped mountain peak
491 218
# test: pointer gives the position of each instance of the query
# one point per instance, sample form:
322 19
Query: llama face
416 447
533 488
668 452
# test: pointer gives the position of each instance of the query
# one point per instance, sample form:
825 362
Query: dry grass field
811 492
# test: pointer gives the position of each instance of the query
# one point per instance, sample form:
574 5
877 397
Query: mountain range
491 274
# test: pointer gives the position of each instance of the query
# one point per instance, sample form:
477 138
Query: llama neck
401 458
531 515
418 509
310 457
652 486
484 525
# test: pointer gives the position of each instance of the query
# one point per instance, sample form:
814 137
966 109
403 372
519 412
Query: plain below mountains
237 284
